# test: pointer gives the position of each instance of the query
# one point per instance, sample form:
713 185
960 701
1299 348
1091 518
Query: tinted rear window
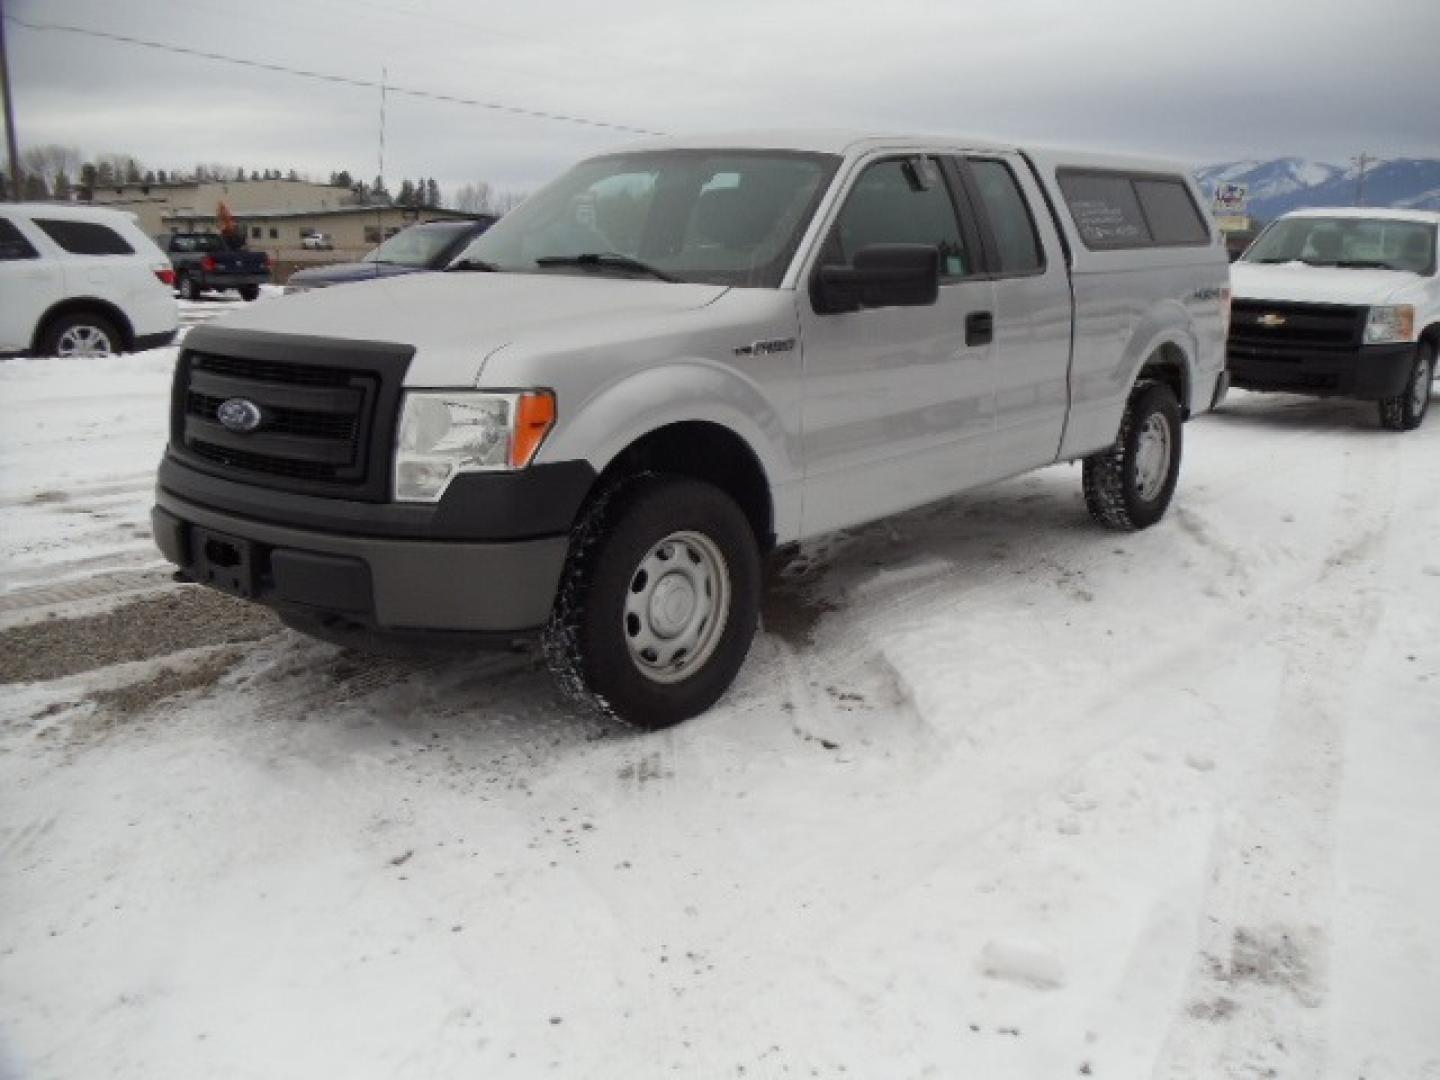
13 244
85 237
1114 210
1170 212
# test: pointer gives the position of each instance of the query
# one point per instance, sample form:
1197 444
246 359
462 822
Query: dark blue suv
429 246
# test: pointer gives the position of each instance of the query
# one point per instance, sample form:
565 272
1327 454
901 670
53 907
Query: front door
898 404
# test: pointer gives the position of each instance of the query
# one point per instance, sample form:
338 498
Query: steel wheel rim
84 341
677 602
1420 387
1152 456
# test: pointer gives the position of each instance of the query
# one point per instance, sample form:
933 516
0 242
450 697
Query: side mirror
882 275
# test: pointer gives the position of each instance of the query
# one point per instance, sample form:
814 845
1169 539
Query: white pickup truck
674 358
1341 302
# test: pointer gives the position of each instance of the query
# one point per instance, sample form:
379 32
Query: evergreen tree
432 195
62 185
104 175
240 173
132 171
292 175
149 176
160 175
89 177
33 188
407 194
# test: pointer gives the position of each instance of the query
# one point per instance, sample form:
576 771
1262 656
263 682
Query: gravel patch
155 626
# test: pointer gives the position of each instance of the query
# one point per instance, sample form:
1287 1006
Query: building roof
330 211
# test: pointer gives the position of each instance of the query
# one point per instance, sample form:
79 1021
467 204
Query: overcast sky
1202 81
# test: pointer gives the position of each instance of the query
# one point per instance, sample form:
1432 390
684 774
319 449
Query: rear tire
80 333
1406 410
658 602
188 287
249 292
1128 486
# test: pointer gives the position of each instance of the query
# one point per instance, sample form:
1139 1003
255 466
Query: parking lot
997 794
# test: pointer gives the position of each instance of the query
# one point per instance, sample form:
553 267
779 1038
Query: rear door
898 403
30 282
1033 312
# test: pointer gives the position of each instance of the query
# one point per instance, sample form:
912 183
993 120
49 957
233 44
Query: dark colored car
205 261
429 246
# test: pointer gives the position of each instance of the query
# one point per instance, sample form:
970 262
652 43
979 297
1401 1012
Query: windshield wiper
473 264
604 260
1364 264
1278 259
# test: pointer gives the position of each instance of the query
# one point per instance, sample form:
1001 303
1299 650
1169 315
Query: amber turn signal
534 417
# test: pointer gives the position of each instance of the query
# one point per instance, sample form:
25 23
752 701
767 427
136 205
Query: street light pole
15 193
1363 160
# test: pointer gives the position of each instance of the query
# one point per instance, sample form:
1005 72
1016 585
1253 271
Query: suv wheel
1405 411
1129 485
187 287
80 334
249 292
658 602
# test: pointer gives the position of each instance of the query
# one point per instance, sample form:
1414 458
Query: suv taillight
208 264
166 274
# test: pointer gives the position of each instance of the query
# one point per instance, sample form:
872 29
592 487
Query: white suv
81 281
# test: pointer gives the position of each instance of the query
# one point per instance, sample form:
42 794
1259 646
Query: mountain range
1289 183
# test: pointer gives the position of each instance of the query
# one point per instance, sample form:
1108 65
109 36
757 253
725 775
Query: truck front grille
1261 329
325 427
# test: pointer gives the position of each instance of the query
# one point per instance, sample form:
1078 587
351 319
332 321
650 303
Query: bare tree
51 161
476 198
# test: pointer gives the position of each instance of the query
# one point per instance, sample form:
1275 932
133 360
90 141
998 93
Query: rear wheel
1129 485
249 292
1406 410
188 287
658 601
80 334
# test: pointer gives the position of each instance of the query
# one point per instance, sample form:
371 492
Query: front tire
658 601
1128 486
1406 410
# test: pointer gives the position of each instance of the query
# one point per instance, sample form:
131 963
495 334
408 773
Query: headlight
1394 323
447 432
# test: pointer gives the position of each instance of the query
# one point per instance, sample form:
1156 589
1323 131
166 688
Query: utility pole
1361 162
15 194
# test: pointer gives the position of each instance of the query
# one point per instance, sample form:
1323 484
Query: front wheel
658 601
1405 411
1129 484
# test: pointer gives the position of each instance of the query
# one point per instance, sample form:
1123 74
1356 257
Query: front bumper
1366 372
498 587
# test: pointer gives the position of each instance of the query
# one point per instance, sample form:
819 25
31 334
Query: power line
321 76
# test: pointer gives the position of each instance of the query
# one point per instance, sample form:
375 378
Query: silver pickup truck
673 359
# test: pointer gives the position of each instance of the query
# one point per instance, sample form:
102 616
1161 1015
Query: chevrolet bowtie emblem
1271 320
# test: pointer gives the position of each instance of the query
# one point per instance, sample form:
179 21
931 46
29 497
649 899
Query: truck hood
342 273
456 320
1302 283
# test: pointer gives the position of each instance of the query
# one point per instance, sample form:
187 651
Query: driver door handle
979 328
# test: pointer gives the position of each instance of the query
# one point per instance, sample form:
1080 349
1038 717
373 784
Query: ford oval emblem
239 414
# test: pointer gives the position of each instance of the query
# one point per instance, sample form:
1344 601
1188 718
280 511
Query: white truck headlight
1388 324
447 432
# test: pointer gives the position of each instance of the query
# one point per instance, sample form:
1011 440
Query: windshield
416 246
724 217
197 242
1380 243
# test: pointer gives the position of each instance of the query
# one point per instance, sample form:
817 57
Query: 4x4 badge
1271 320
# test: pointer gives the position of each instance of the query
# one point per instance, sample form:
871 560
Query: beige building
154 202
352 229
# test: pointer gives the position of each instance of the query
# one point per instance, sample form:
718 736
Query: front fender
623 411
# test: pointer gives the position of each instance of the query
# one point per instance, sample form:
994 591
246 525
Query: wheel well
708 452
1431 334
1167 366
78 305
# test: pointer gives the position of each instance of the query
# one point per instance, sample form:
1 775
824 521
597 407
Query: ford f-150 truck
204 261
1341 302
674 358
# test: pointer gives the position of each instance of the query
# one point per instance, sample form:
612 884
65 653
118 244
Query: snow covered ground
998 794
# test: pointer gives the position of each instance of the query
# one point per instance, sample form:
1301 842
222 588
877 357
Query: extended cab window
1010 221
900 201
13 244
85 237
